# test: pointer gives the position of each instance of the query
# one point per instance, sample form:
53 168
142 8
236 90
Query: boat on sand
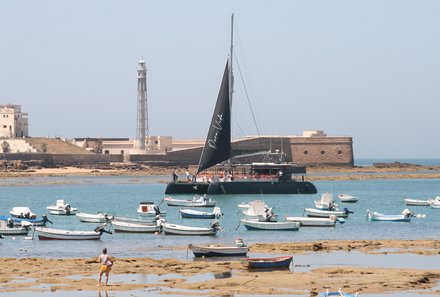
273 263
239 250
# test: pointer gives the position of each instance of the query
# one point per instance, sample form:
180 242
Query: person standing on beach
105 265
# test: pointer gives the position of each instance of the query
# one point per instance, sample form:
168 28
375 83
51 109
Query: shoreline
173 274
313 173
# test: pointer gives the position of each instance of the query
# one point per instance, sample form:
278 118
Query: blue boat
36 222
276 262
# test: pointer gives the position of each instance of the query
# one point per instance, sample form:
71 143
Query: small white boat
149 209
152 221
119 226
8 228
417 202
45 233
239 250
319 213
435 203
376 216
347 198
22 212
270 226
61 208
197 201
314 222
195 214
258 211
326 202
94 218
188 230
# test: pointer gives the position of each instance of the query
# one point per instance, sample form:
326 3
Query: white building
13 122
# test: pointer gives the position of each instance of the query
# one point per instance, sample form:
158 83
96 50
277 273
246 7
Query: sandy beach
58 272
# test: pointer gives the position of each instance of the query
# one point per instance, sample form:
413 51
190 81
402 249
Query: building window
122 152
106 152
156 142
306 152
4 126
339 152
322 152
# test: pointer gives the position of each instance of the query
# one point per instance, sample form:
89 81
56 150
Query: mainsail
218 142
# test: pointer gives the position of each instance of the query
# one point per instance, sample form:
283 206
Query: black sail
218 142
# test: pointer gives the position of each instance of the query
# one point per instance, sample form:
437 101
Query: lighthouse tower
142 134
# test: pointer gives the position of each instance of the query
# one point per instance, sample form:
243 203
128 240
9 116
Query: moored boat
94 218
274 262
174 229
130 227
149 209
314 222
22 212
270 226
219 250
258 211
417 202
319 213
376 216
435 203
45 233
8 228
36 222
347 198
195 214
326 202
196 201
62 208
261 178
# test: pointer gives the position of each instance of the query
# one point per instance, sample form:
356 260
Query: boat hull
279 262
219 251
242 187
171 229
318 213
261 187
312 222
58 234
14 231
134 227
416 202
271 226
17 221
196 215
186 188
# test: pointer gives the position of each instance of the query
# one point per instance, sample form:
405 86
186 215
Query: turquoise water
121 196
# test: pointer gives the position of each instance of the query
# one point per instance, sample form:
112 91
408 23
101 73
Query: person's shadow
105 294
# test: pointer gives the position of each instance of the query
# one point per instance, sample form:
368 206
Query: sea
121 195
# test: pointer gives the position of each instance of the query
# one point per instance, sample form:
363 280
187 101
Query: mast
231 75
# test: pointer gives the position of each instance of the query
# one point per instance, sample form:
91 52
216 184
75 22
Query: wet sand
58 272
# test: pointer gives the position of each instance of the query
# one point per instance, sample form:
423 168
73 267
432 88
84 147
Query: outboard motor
406 212
46 219
10 223
346 211
101 229
67 209
215 225
156 210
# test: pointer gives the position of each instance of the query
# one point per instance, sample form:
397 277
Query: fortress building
13 122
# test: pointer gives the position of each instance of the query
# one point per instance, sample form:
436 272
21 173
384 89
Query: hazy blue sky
366 69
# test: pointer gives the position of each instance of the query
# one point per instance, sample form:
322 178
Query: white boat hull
134 227
218 251
312 222
59 211
186 230
93 218
271 226
417 202
189 203
44 233
347 198
319 213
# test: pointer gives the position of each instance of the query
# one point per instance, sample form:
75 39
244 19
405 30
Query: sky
365 69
